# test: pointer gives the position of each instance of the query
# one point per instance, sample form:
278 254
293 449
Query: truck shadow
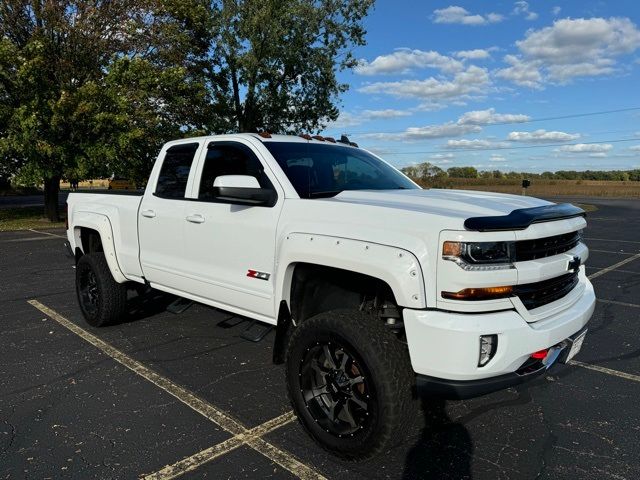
444 449
146 304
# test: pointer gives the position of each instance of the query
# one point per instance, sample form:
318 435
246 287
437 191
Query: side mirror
243 190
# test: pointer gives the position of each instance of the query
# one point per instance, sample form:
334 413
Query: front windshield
317 170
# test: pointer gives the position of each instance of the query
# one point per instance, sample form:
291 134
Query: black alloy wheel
102 300
335 388
350 381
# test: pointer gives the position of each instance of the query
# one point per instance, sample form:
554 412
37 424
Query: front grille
546 247
534 295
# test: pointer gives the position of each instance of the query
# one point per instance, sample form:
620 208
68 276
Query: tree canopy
93 87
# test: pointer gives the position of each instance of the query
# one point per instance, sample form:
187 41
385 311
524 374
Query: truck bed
120 208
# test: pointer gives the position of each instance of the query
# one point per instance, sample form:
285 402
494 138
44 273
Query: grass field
543 188
24 218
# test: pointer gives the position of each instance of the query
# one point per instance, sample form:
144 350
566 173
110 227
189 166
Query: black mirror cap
265 197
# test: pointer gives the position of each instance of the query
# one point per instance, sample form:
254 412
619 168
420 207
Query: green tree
463 172
53 53
94 87
274 62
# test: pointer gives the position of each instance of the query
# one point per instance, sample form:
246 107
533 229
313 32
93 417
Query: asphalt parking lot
165 395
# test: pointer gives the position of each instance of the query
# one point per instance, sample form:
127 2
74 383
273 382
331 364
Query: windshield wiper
324 194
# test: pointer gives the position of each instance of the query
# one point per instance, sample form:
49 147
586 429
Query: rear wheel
102 299
349 381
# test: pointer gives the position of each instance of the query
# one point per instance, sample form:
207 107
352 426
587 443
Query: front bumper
463 389
445 345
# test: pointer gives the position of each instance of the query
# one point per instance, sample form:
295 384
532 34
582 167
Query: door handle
195 218
148 213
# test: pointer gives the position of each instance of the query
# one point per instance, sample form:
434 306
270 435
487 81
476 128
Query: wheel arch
336 273
92 232
396 267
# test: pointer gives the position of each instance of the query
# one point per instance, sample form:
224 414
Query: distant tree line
429 173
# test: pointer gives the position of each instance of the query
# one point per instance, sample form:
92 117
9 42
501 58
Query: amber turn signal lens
452 249
487 293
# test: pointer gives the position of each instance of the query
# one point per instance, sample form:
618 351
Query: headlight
480 255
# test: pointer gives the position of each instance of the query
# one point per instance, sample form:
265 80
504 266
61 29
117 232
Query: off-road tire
109 297
391 380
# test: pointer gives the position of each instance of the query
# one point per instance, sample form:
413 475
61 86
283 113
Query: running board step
179 305
256 331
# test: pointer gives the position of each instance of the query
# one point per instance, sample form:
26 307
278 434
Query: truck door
161 217
230 248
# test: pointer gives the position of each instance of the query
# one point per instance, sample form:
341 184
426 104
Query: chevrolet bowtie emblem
574 264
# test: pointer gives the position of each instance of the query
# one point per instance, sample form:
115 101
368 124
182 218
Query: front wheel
102 299
349 381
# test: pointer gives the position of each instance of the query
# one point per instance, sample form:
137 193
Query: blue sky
482 83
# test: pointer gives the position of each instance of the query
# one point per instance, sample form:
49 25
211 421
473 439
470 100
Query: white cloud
475 144
598 155
497 158
587 147
469 122
386 113
522 8
442 158
635 148
525 74
473 80
569 49
556 10
541 136
489 116
475 54
344 120
459 15
350 119
404 60
449 129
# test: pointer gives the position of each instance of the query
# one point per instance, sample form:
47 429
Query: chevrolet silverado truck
379 290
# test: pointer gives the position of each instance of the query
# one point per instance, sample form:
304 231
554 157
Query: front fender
397 267
102 225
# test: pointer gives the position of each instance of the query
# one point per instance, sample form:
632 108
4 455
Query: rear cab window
174 173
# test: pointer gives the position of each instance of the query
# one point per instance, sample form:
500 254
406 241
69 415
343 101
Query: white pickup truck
378 289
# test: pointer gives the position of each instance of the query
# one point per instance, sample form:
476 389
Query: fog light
488 347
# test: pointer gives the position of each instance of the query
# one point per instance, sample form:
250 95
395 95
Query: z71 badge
260 275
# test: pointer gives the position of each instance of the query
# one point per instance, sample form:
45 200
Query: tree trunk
51 189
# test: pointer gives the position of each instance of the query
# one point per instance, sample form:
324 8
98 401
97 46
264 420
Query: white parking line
27 239
608 371
194 461
224 420
611 240
610 251
614 302
46 233
614 266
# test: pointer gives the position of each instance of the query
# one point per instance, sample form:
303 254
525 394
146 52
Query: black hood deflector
523 217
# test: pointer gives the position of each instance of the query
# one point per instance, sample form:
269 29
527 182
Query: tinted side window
229 159
172 181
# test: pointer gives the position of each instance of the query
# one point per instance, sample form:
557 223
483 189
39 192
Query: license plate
576 346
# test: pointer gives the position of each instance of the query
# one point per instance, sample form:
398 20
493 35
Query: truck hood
460 204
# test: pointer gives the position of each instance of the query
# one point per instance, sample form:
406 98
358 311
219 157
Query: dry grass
100 183
544 188
25 218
